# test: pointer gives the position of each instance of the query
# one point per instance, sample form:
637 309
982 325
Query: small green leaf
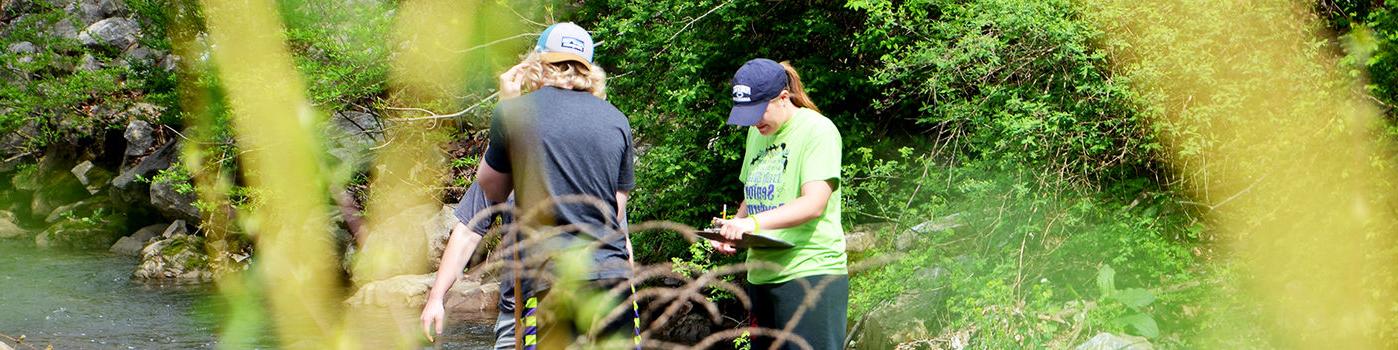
1106 280
1143 324
1134 298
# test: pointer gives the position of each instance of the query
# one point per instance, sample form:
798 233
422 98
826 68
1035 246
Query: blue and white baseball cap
756 83
565 42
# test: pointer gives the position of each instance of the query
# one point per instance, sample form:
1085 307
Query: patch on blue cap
742 93
572 43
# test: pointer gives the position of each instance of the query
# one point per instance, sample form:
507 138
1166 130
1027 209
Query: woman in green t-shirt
791 191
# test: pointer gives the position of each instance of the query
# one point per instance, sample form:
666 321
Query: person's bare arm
621 198
809 206
460 245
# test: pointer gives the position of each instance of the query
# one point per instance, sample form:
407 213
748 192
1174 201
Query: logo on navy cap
742 93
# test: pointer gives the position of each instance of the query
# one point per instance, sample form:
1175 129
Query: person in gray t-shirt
561 142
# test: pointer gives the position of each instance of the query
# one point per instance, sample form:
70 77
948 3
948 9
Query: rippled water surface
87 300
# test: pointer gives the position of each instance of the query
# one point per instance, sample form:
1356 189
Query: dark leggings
822 324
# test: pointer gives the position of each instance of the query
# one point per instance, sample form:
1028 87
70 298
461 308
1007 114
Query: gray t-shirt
578 144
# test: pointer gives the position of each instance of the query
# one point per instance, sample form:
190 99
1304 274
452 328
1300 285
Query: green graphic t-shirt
805 149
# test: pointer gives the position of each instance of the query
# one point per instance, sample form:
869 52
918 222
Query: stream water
87 300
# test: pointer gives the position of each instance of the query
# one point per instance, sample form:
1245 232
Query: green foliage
1017 82
1134 299
1019 263
95 229
743 342
340 48
701 260
1369 31
177 175
1008 117
94 219
48 98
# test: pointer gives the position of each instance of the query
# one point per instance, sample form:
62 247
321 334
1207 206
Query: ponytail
797 90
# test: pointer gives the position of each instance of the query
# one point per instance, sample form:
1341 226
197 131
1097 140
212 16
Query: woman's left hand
733 229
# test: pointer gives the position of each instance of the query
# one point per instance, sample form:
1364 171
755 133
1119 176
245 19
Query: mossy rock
184 258
97 231
8 226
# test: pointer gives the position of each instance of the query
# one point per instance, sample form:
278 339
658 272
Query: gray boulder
906 318
82 170
8 227
22 48
468 299
161 159
1108 341
169 63
16 6
92 11
438 230
115 33
92 178
128 189
144 110
127 246
12 144
139 137
918 235
143 55
861 238
179 227
91 232
88 63
73 209
938 225
173 204
352 135
176 257
25 50
132 245
64 29
359 123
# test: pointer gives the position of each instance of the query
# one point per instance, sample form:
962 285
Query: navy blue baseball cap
756 83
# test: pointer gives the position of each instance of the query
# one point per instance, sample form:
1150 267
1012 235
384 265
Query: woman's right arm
459 247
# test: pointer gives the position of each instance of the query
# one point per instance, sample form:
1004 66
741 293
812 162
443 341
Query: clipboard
748 241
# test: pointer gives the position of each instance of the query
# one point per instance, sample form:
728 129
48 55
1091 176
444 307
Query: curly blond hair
568 75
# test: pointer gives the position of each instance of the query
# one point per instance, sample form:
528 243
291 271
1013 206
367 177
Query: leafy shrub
1016 82
1018 263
